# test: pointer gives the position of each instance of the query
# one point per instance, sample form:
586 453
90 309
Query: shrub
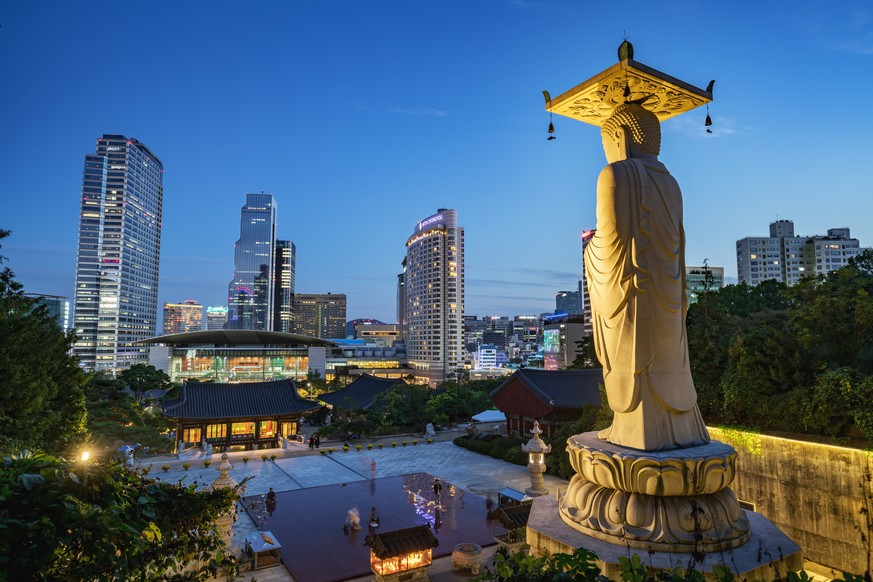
323 452
207 463
345 448
393 444
369 446
146 470
165 468
264 458
414 442
381 445
186 465
273 458
245 459
429 441
403 443
357 447
330 450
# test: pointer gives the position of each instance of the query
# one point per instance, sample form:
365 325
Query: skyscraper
216 317
183 317
119 250
283 286
250 293
56 307
434 289
568 302
320 315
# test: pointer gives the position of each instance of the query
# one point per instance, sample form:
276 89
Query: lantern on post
536 450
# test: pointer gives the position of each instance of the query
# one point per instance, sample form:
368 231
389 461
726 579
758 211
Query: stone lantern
224 523
536 450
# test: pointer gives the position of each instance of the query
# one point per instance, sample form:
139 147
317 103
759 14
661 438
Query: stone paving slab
316 470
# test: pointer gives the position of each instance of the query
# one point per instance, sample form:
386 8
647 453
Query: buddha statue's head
631 131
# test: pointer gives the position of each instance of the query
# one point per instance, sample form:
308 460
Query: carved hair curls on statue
643 126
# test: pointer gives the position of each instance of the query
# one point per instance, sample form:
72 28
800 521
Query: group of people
314 441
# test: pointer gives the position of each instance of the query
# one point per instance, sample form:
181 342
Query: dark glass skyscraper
283 288
119 250
250 293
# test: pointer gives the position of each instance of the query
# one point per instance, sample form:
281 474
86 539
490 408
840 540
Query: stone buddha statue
635 270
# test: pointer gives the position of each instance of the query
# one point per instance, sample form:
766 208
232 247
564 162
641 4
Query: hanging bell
708 121
551 127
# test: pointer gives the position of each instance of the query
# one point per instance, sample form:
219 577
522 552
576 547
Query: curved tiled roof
362 391
402 541
560 388
254 399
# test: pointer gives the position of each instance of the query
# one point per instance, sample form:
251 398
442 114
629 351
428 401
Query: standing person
317 441
437 488
311 442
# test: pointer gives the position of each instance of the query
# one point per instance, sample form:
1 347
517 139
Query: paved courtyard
301 468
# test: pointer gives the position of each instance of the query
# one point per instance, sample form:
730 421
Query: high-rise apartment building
283 286
183 317
216 317
788 258
435 297
250 293
119 250
320 315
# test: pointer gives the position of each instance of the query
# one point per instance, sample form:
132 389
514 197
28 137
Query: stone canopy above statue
594 100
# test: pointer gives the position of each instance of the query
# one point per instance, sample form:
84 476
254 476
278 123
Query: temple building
246 416
553 397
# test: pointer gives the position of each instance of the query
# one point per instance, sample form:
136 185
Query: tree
98 521
143 378
586 357
41 399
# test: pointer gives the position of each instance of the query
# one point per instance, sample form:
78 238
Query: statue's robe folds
635 271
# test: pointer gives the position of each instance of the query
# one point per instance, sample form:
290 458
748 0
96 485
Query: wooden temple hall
245 416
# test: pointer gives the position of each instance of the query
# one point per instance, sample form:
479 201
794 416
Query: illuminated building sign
430 222
552 341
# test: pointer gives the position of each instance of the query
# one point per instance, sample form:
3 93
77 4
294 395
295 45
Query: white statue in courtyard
635 269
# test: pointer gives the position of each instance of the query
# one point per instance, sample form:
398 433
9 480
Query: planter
186 466
381 445
467 557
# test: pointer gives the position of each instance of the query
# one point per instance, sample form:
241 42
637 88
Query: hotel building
119 251
183 317
434 290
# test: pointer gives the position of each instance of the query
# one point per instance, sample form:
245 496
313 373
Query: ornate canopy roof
246 400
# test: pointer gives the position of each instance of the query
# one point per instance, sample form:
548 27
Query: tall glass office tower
434 295
119 250
283 286
250 295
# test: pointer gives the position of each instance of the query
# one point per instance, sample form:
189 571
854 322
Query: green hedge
504 448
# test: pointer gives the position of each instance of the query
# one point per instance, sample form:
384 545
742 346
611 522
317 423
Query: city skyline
361 119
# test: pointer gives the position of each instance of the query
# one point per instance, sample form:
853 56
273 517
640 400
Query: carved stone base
704 523
769 554
674 501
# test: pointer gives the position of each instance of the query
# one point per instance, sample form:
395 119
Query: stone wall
819 495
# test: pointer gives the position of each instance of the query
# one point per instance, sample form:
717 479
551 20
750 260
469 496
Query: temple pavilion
247 416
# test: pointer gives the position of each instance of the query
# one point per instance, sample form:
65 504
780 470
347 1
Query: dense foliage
115 417
794 359
409 407
97 521
42 403
504 448
88 521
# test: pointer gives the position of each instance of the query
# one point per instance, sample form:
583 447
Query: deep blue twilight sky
364 117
